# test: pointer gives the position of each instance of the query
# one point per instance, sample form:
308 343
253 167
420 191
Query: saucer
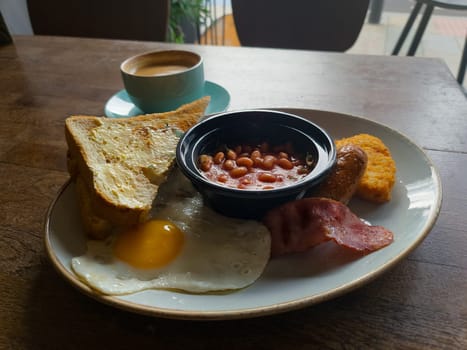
120 105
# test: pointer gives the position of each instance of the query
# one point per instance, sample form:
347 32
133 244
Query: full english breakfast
148 227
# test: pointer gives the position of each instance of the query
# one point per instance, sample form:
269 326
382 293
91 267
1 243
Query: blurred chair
463 64
111 19
331 25
429 7
5 37
376 9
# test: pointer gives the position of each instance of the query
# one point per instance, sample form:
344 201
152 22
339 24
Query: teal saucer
120 105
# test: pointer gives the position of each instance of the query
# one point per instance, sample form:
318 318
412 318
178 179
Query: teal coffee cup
162 81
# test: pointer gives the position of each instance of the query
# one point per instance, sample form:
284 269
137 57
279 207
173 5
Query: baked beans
261 166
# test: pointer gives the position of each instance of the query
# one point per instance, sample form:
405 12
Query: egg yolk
150 245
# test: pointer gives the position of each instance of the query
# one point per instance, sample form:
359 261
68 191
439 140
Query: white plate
290 282
120 105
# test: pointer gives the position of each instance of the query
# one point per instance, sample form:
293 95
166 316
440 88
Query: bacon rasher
300 225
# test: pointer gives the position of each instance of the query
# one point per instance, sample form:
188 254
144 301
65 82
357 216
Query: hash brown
379 177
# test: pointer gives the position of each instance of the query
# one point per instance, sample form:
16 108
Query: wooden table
421 303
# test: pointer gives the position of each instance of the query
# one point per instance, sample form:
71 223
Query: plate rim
243 313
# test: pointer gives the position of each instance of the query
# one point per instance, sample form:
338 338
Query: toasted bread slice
118 164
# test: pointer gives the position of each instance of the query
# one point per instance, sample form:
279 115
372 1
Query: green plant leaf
194 11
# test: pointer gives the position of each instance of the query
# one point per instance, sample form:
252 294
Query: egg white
219 253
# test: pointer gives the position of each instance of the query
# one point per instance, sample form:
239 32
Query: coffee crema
159 69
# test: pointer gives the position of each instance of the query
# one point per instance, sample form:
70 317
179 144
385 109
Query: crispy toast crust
100 210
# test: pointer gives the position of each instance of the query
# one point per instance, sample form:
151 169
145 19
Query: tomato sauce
255 167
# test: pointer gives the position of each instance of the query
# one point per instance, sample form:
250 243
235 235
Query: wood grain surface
420 304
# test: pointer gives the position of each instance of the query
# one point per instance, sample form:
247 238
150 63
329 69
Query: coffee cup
162 81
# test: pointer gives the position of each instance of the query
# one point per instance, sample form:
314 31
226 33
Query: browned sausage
342 182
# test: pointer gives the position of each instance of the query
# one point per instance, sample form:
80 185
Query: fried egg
186 246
